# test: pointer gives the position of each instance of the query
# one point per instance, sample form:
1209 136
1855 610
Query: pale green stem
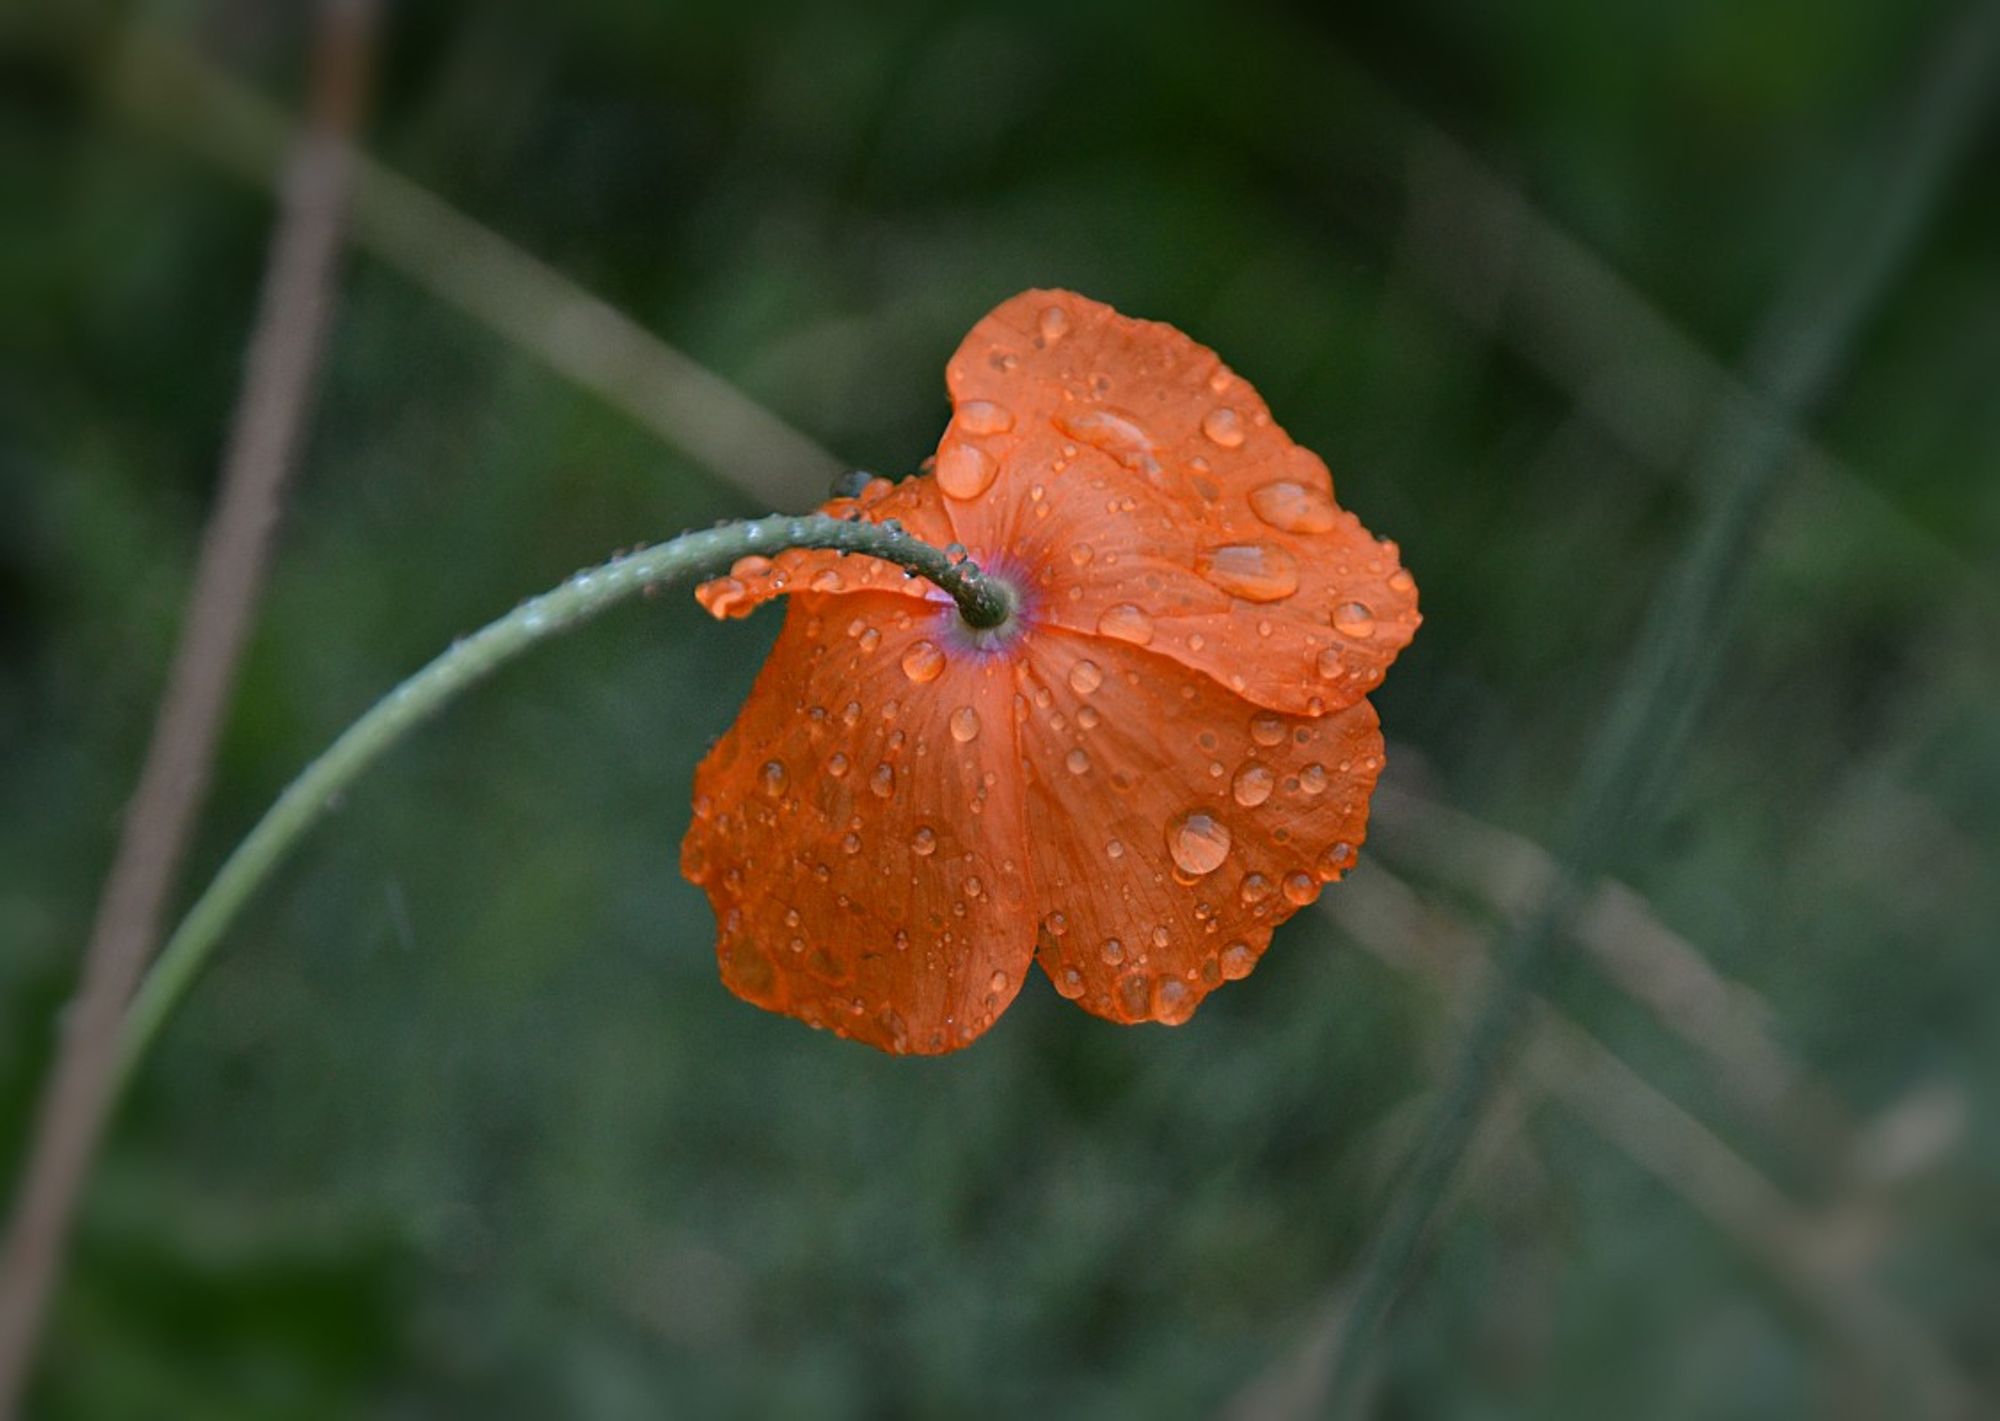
982 601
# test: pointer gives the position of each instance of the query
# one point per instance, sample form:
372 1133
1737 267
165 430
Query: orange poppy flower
1162 755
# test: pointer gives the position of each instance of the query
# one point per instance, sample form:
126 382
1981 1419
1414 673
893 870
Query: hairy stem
981 600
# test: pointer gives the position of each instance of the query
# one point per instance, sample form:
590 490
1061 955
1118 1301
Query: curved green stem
983 602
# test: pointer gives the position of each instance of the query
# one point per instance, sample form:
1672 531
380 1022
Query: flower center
1000 633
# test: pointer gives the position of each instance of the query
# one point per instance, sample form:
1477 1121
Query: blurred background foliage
463 1124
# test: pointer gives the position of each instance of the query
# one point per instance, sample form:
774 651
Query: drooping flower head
1161 756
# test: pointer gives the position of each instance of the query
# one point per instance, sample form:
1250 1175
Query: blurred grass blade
1883 210
523 299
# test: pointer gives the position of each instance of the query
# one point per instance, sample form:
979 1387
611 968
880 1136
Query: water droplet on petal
1401 581
1252 784
1069 983
1256 572
1135 994
1174 1005
1113 951
984 417
1223 426
1084 677
850 844
1080 553
1329 664
1237 960
1053 323
1266 728
773 778
1078 762
883 782
1293 507
964 470
1312 780
1255 888
1338 858
1197 841
923 662
964 724
1354 619
1114 431
1056 923
836 765
923 843
826 580
997 983
1126 622
1300 888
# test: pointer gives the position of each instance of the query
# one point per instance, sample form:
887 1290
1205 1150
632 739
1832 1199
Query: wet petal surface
1133 470
1196 825
859 833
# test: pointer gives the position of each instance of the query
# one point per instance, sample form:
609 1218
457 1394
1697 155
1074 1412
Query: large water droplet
850 844
1197 841
1256 572
883 781
1293 507
836 765
1113 951
1084 677
1126 622
1078 762
1069 983
984 417
964 470
1237 960
1116 432
773 778
1252 784
923 662
1224 426
1255 888
1354 619
964 724
1300 888
997 983
1338 858
1313 780
1135 994
1053 324
1267 728
923 843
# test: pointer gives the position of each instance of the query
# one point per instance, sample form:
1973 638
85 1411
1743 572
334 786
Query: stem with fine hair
982 601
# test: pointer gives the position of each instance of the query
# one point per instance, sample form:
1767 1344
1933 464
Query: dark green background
463 1124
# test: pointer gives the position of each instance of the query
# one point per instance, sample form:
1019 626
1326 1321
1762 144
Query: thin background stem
280 373
1883 212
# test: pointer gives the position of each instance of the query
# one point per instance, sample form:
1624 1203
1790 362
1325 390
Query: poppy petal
1129 466
1171 826
859 829
755 580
